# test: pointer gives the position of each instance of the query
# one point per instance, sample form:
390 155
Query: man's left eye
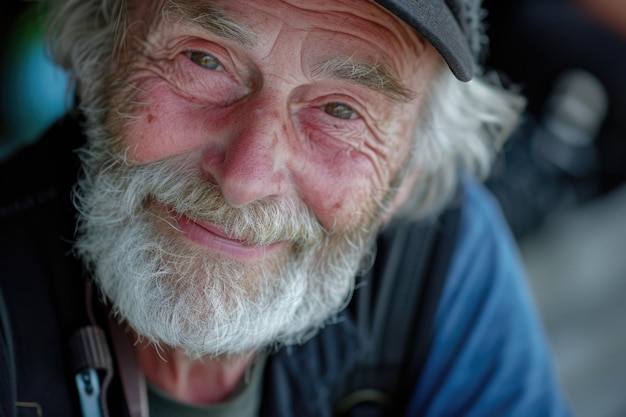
340 111
205 60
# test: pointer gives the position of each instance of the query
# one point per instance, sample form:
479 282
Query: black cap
444 24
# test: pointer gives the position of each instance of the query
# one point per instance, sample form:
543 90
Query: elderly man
240 159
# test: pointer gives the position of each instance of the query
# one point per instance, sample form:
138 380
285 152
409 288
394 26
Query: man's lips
216 239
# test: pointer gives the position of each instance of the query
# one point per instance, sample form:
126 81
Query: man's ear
403 194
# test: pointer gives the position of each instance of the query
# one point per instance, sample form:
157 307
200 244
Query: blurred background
560 181
33 92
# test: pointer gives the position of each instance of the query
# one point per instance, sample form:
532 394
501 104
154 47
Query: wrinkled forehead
337 13
357 28
342 16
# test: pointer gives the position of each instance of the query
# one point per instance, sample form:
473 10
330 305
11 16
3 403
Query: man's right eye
340 111
205 60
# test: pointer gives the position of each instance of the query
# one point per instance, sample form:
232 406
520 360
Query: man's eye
205 60
340 111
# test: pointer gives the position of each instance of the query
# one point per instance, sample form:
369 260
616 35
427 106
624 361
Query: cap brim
433 20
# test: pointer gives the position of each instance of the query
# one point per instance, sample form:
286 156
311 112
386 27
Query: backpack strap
422 327
7 365
395 311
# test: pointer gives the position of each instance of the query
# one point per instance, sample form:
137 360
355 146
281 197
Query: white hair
462 127
85 37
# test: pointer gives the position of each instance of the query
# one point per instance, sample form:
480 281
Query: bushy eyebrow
210 19
376 76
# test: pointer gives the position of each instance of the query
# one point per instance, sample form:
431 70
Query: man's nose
252 163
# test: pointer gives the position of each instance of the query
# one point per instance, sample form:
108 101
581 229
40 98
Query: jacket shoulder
42 172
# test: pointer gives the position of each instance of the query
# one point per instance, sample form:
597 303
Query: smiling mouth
215 239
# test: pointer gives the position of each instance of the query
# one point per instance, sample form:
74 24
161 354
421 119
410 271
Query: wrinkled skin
262 124
258 121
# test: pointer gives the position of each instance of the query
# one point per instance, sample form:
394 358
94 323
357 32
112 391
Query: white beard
177 294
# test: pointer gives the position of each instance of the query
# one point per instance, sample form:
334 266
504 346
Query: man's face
270 135
263 116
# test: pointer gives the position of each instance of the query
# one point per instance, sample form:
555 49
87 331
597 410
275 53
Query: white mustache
178 185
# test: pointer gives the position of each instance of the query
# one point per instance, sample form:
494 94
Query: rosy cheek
341 174
174 107
339 188
155 130
165 125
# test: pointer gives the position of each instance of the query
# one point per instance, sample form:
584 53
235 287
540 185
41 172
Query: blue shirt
489 355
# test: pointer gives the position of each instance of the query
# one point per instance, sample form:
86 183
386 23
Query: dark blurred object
551 161
572 118
536 41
